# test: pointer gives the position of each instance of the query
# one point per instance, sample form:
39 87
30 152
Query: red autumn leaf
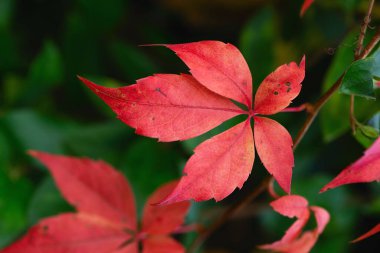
373 231
219 67
274 146
71 233
306 4
231 155
163 220
162 244
105 220
168 107
178 107
364 170
294 240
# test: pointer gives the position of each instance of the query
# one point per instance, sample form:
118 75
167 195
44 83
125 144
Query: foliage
44 45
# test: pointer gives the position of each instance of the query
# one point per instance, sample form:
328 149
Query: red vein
240 111
230 78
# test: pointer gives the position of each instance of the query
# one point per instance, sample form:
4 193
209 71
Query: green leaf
46 201
147 165
47 68
46 71
358 79
6 7
335 114
376 63
368 133
257 43
106 140
31 130
15 192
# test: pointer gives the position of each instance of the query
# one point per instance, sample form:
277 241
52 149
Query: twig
371 45
228 213
316 108
322 101
353 120
363 30
358 51
300 108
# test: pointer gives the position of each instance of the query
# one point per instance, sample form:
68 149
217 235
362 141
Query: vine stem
228 213
313 110
359 48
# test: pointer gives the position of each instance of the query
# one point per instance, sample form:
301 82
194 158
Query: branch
322 101
358 51
363 30
228 213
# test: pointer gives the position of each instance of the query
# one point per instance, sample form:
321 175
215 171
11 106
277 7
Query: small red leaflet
178 107
306 4
364 170
294 240
373 231
106 220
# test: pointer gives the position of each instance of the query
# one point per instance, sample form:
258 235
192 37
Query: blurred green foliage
45 44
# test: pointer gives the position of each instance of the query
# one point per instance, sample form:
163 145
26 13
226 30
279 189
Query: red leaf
279 88
93 187
71 233
172 107
364 170
218 66
166 106
274 146
322 217
306 4
162 244
218 166
290 206
106 221
163 219
373 231
292 242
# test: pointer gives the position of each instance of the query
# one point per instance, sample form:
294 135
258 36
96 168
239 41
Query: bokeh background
44 44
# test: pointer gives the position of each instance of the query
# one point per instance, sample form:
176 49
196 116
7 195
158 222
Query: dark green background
44 44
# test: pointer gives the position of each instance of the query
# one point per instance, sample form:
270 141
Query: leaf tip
303 62
33 153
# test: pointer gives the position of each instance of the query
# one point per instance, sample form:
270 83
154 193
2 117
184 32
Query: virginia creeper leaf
178 107
106 218
92 187
221 163
279 88
322 217
274 146
306 4
162 244
294 241
218 66
373 231
168 107
163 219
364 170
290 206
70 233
